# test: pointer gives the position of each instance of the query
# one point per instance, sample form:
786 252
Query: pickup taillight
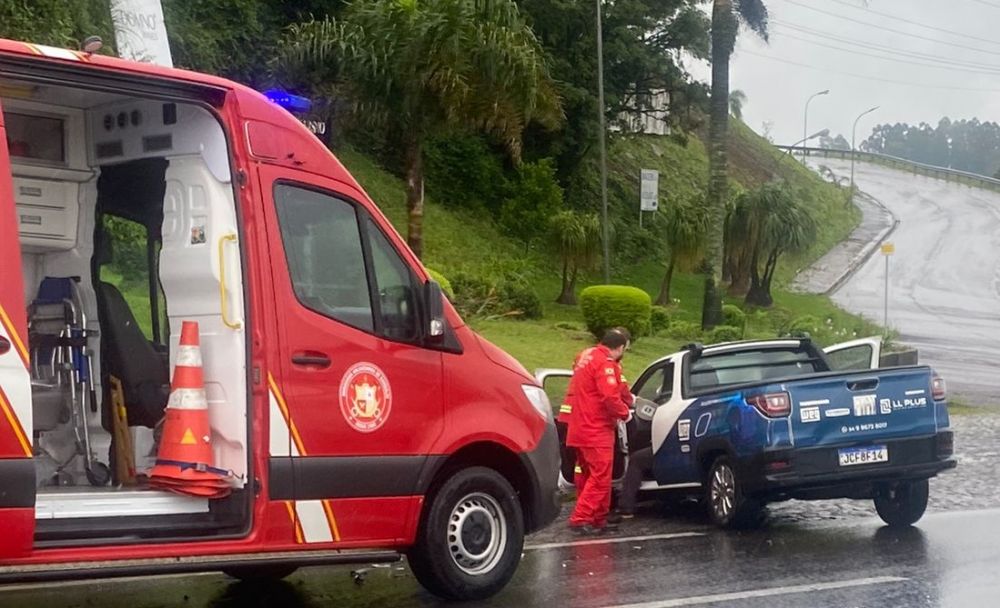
772 405
938 390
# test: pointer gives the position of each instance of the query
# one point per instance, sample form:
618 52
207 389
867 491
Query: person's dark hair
615 337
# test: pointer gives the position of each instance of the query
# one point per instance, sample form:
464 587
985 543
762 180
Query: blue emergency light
292 103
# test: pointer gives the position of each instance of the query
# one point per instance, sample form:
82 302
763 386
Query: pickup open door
555 382
17 468
855 355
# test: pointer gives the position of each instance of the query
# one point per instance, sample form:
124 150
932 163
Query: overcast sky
943 60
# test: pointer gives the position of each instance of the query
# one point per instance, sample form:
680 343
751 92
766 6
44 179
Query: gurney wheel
98 474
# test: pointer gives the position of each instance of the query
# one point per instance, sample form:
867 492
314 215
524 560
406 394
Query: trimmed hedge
443 281
607 306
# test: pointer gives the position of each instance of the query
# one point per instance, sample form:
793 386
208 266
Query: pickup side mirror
434 321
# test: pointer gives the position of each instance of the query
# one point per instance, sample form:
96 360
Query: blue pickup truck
747 423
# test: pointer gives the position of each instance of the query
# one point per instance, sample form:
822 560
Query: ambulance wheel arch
471 535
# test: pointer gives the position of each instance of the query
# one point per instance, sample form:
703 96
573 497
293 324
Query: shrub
725 333
535 197
607 306
659 319
443 281
733 316
477 296
803 325
684 330
462 170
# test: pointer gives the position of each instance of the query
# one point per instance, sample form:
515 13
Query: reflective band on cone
184 461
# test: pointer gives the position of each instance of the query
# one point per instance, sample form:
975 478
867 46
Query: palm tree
576 238
685 230
774 222
737 99
727 15
416 68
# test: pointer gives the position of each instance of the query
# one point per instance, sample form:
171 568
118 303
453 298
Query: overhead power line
884 28
917 23
865 77
857 43
991 4
880 47
953 68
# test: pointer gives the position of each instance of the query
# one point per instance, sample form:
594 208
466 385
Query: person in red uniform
599 400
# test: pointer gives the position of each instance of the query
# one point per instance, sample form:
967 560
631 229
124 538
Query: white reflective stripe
312 517
188 399
188 356
16 383
55 52
665 418
280 443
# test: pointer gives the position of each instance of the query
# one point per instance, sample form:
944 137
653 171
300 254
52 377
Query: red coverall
600 399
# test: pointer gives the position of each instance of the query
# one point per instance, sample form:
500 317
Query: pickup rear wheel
727 506
902 503
470 538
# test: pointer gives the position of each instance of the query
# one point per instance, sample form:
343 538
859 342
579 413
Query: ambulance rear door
17 469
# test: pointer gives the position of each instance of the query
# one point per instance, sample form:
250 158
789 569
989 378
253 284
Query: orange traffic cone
184 461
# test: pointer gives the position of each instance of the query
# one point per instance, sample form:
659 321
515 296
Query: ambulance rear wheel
470 538
260 573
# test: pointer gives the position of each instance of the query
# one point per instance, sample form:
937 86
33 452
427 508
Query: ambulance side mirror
434 321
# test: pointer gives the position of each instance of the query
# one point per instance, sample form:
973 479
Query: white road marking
610 540
768 592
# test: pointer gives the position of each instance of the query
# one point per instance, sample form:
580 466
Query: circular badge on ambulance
365 397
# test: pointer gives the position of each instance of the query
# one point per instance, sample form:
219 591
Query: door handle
868 384
311 358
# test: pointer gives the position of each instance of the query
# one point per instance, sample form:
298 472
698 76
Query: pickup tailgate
837 409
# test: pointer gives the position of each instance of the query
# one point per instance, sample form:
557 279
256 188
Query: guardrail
949 175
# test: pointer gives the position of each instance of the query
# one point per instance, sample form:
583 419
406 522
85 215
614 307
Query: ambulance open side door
17 468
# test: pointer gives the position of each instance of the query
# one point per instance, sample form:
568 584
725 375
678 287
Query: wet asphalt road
950 559
944 278
815 554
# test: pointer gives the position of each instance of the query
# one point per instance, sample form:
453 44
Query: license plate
867 455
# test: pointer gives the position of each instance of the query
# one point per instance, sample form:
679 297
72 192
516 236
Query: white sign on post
650 190
140 32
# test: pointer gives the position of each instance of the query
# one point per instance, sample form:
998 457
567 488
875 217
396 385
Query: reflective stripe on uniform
565 409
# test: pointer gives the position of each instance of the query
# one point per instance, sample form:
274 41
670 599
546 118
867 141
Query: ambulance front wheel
470 538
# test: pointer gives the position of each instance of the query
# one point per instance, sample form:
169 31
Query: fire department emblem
365 397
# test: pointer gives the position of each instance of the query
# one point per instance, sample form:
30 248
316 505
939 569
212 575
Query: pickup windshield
746 366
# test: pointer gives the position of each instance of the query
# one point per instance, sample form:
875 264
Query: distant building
646 114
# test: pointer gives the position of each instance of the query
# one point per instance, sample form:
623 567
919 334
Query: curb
868 250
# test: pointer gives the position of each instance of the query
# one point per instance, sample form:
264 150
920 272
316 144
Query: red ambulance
353 415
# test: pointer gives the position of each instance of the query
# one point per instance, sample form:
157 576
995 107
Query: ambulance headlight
538 399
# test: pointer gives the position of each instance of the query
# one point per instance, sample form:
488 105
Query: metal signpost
887 250
649 191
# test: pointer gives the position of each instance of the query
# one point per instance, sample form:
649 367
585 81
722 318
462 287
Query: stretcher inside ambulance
216 352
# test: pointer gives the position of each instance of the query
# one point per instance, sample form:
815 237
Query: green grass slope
459 240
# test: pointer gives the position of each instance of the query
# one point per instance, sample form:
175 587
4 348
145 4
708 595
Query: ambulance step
177 565
85 502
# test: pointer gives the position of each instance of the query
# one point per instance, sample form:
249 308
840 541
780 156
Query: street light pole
853 154
805 117
604 159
